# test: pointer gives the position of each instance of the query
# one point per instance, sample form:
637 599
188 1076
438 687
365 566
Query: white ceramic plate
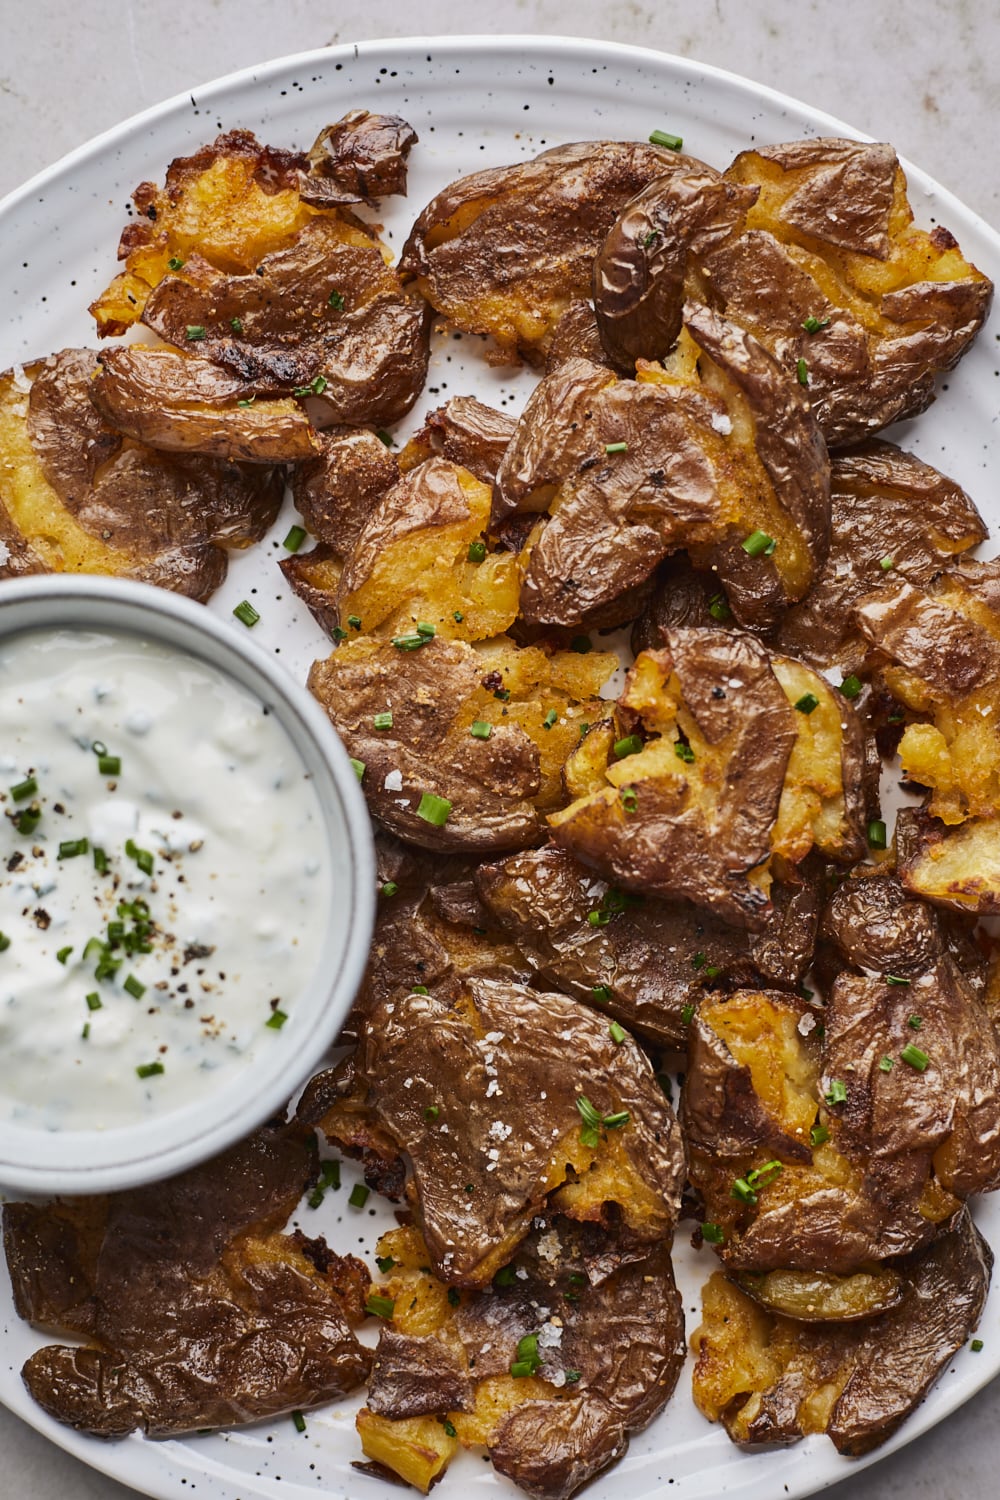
474 102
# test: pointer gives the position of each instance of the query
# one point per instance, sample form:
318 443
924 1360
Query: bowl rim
129 1155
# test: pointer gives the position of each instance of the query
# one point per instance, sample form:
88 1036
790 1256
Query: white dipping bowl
39 1161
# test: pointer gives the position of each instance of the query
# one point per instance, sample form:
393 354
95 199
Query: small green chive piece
718 608
887 564
894 979
299 1421
431 1113
807 704
100 861
174 263
385 437
756 543
712 1234
630 745
851 686
246 614
457 616
433 810
149 1070
480 730
195 332
550 718
819 1135
24 789
359 768
4 942
915 1022
915 1057
419 989
664 138
94 1001
477 552
601 992
388 888
64 953
885 1065
629 799
380 1307
134 987
813 325
976 1346
70 848
837 1092
425 628
296 536
236 324
683 752
276 1020
687 1014
336 301
359 1195
617 1033
383 721
876 834
450 1429
802 371
354 621
109 765
616 447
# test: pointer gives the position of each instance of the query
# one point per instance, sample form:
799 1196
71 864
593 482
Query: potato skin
692 836
953 867
182 404
491 1064
646 953
185 1293
466 432
338 489
77 497
358 159
505 251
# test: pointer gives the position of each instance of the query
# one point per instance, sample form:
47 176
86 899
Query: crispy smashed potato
597 1365
478 1095
195 1309
76 497
465 432
506 251
957 867
822 803
770 1379
483 733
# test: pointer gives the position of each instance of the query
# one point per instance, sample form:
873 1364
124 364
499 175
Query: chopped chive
359 768
664 138
385 437
454 1295
195 331
915 1022
431 1113
419 989
813 325
354 621
296 536
316 387
480 730
712 971
683 752
336 301
410 642
338 633
359 1195
521 1368
687 1014
276 1019
64 953
28 819
598 918
506 1276
718 608
385 1263
894 979
425 628
476 552
850 687
616 447
70 848
174 263
450 1429
134 987
433 810
807 704
743 1192
247 401
819 1135
630 745
756 543
380 1307
236 324
712 1234
581 644
299 1421
761 1176
887 564
528 1360
629 799
100 861
94 1001
698 962
246 613
388 888
885 1064
4 942
142 857
109 765
976 1346
650 238
149 1070
85 1033
601 991
837 1092
24 789
915 1057
457 616
383 720
802 372
617 1033
550 718
876 834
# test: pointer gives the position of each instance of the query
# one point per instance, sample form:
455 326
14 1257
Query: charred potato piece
830 270
337 490
822 802
506 251
643 962
178 404
314 577
601 1366
576 336
769 1379
76 497
420 559
889 511
492 787
952 867
289 296
690 813
465 432
478 1096
944 645
359 159
641 270
819 1297
196 1311
720 446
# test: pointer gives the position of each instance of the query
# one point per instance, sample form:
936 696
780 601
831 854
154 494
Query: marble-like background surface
922 74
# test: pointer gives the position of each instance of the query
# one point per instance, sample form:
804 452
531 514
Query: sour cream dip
164 878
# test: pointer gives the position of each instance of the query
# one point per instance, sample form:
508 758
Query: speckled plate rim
158 1469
